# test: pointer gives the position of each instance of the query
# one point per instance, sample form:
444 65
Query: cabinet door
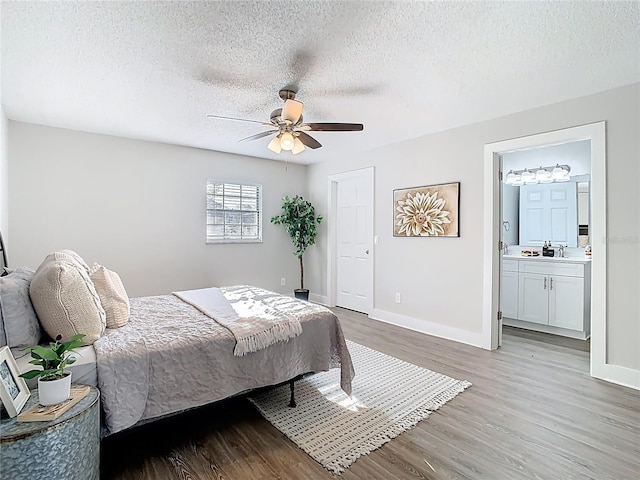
533 298
566 302
509 294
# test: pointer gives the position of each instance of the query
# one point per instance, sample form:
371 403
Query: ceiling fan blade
298 146
332 127
308 140
274 144
292 110
238 119
258 135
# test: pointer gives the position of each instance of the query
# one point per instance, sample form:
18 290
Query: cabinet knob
545 283
550 283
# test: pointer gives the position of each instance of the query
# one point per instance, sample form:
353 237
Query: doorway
546 298
493 223
350 252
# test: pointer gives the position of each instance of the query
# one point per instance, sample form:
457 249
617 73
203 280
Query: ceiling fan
290 129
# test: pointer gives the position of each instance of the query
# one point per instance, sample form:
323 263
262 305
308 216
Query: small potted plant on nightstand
54 384
299 219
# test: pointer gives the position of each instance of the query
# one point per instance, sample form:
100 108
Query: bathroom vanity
547 294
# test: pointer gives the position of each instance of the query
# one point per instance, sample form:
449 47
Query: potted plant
54 384
299 219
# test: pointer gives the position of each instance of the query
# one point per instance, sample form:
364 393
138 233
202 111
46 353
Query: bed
176 357
170 357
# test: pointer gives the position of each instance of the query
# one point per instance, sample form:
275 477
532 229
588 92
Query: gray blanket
171 357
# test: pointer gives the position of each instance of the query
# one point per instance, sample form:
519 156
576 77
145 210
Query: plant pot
301 293
51 392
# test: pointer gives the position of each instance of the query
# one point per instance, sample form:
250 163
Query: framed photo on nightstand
14 392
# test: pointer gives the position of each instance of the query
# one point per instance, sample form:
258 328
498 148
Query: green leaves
299 219
53 359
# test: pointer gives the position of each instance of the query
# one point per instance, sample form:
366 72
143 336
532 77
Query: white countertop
548 259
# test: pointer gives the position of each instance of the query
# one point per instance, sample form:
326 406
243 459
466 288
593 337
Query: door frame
332 232
596 132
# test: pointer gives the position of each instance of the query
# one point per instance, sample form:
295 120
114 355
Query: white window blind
234 212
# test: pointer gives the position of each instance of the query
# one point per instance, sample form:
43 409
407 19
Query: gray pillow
3 336
20 323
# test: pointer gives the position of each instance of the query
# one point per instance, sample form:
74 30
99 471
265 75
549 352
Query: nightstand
65 448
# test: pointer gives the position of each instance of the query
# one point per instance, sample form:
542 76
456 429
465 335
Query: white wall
4 177
139 209
441 278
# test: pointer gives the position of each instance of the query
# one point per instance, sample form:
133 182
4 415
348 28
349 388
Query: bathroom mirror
583 214
577 155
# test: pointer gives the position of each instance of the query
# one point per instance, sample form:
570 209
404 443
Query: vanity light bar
554 173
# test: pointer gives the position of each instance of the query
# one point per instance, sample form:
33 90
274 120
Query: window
234 212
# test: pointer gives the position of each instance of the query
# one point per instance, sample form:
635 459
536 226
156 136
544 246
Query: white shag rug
389 397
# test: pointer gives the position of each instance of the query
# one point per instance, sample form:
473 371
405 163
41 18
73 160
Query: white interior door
354 241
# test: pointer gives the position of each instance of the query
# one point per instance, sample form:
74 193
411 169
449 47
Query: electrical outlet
398 298
283 282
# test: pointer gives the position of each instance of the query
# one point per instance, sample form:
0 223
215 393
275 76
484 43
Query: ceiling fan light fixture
274 144
298 146
292 111
287 141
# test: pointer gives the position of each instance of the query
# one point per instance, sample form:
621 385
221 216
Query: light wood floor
533 412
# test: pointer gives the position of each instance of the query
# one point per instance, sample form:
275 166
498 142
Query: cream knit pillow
66 301
113 296
67 255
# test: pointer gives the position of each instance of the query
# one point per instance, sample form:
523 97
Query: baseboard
537 327
321 299
430 328
627 377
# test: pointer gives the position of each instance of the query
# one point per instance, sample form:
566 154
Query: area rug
389 397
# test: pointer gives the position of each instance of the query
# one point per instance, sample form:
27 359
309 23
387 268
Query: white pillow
66 301
113 296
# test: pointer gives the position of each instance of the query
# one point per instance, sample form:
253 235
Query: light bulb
558 172
298 146
543 176
286 141
510 178
528 177
274 145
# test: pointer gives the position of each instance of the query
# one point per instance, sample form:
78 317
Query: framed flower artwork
429 211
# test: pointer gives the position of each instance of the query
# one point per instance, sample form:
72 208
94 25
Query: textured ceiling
154 70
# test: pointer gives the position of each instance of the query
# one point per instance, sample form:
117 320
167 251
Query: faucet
560 250
505 248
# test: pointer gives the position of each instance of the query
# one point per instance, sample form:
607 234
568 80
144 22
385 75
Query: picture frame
427 211
14 392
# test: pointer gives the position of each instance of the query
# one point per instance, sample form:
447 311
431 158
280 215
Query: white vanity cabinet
552 296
